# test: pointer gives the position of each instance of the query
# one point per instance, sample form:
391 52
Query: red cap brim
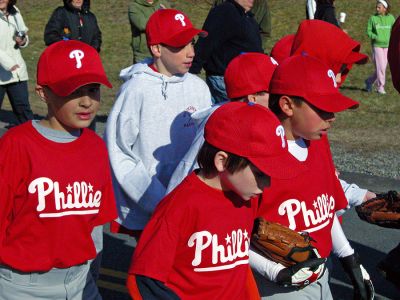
332 103
285 166
65 88
183 38
356 58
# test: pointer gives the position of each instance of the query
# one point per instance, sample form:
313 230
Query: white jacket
9 55
148 131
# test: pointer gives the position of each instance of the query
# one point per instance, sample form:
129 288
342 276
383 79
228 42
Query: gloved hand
363 287
302 274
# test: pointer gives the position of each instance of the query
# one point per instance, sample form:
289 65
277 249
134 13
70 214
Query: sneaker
381 92
368 86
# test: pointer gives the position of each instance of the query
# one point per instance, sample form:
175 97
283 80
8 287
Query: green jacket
379 28
139 12
262 15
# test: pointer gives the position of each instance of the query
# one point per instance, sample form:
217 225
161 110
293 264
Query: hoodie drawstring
164 88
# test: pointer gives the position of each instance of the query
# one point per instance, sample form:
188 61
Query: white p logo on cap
77 55
332 75
180 17
280 131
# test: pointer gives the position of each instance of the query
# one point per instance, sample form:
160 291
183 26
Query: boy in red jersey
304 96
55 183
196 244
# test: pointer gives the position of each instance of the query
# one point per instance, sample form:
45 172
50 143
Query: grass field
374 124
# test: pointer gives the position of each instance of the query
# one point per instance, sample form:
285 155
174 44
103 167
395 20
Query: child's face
74 111
175 60
380 9
246 183
309 122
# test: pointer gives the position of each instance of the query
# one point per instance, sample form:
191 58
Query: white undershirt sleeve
340 245
264 266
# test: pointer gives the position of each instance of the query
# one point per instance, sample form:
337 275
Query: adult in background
232 30
13 72
326 12
139 12
73 21
262 14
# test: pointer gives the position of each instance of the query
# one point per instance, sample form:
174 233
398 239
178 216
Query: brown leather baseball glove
281 244
384 210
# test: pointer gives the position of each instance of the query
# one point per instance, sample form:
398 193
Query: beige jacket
9 55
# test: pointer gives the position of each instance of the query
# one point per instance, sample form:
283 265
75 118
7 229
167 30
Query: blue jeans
216 85
17 93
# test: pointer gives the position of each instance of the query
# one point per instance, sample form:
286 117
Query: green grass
374 124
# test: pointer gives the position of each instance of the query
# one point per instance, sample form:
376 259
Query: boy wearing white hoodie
150 128
246 79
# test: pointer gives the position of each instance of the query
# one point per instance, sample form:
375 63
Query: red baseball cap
394 54
254 132
248 73
67 65
171 27
328 43
307 77
281 49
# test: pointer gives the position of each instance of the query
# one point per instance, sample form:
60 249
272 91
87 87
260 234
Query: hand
302 274
20 41
369 195
13 68
363 287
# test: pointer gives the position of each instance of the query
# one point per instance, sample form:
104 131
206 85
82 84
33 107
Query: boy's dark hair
206 156
244 97
274 102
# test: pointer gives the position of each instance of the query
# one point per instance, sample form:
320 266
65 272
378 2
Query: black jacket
231 31
326 12
67 22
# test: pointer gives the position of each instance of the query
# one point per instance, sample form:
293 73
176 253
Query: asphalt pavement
370 242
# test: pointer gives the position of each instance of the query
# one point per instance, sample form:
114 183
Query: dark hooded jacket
67 22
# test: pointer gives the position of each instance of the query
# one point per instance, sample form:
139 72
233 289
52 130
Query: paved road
371 242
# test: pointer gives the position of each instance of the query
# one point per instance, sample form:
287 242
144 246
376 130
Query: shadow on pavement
369 258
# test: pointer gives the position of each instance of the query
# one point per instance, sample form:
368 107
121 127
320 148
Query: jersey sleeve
155 253
108 210
341 201
13 164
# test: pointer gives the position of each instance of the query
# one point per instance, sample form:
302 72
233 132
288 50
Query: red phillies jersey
197 242
309 201
52 195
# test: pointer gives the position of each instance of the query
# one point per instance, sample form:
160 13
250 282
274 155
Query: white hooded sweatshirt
148 131
189 161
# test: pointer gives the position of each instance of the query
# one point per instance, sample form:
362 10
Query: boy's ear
41 92
252 98
155 50
220 160
286 104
